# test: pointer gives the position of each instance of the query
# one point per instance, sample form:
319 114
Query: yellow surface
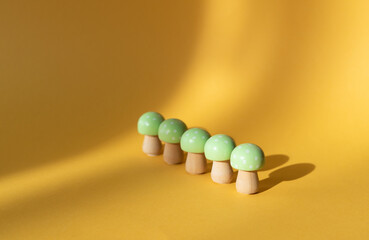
290 76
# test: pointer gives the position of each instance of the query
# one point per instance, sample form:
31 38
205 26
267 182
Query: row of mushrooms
247 158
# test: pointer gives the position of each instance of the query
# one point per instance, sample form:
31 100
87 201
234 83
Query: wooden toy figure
193 142
247 158
218 149
170 132
148 125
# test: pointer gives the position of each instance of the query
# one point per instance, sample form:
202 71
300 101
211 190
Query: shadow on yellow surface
103 184
289 173
76 79
273 161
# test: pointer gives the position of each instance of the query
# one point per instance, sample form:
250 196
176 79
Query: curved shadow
289 173
92 77
287 48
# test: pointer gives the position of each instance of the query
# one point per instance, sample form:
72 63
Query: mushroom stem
247 182
173 153
221 172
195 163
151 145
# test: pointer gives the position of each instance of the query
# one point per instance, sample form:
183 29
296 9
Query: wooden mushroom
170 132
148 125
218 149
193 142
247 158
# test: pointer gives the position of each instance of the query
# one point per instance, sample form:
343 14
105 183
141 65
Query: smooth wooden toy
170 132
151 145
148 125
218 149
173 153
193 142
247 158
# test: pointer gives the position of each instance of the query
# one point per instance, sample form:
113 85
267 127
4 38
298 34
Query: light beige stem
151 145
247 182
195 163
173 153
221 172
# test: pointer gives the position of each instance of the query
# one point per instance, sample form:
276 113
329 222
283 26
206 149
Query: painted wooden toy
218 149
248 158
148 125
193 142
170 132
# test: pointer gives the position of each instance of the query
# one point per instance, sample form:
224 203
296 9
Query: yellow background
290 76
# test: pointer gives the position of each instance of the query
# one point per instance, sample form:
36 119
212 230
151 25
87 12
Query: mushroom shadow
273 161
289 173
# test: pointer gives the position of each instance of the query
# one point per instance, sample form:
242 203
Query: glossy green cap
149 122
194 139
219 147
171 130
247 157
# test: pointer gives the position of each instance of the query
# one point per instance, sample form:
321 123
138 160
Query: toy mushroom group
221 149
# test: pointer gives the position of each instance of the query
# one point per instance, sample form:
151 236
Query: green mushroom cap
149 122
171 130
247 157
194 139
219 147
